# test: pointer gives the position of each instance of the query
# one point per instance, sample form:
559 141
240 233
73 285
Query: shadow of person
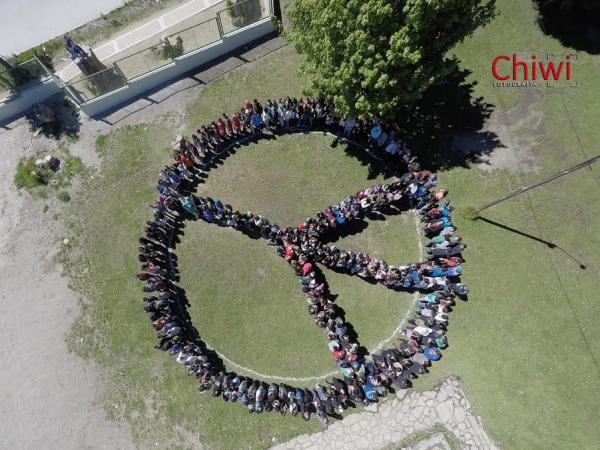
352 228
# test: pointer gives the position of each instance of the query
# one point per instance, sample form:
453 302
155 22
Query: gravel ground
51 399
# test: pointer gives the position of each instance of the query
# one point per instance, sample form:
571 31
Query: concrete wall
22 101
182 65
12 107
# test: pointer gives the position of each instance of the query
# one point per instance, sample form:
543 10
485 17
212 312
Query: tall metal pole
523 189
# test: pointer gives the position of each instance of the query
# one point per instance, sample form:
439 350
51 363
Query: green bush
100 141
28 176
46 50
71 167
63 196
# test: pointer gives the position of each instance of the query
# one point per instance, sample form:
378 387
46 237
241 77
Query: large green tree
367 57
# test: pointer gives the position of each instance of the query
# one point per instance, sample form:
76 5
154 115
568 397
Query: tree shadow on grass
574 23
376 164
446 128
444 112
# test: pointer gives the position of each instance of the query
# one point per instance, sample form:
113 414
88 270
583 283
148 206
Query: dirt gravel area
50 398
517 131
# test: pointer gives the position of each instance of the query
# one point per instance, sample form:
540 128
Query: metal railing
97 84
21 76
119 72
241 14
172 46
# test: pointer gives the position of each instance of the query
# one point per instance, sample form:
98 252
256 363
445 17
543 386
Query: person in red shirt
187 161
221 127
338 354
236 122
307 268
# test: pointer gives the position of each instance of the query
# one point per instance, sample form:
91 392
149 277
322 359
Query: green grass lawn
525 345
245 300
242 292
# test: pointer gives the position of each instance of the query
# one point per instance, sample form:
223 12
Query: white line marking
379 345
377 348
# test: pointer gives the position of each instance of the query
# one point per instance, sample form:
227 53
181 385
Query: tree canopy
368 57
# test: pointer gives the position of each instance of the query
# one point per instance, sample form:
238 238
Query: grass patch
414 439
525 295
469 213
246 276
218 282
42 193
100 142
28 176
72 166
42 182
63 196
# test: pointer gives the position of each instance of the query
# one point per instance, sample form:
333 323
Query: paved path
27 23
395 419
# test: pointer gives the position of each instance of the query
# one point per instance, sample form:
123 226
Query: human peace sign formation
363 376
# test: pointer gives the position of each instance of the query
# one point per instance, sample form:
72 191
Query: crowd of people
364 377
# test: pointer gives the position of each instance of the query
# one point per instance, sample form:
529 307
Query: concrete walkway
408 416
27 23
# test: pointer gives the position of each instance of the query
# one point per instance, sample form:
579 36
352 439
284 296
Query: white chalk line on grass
378 347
